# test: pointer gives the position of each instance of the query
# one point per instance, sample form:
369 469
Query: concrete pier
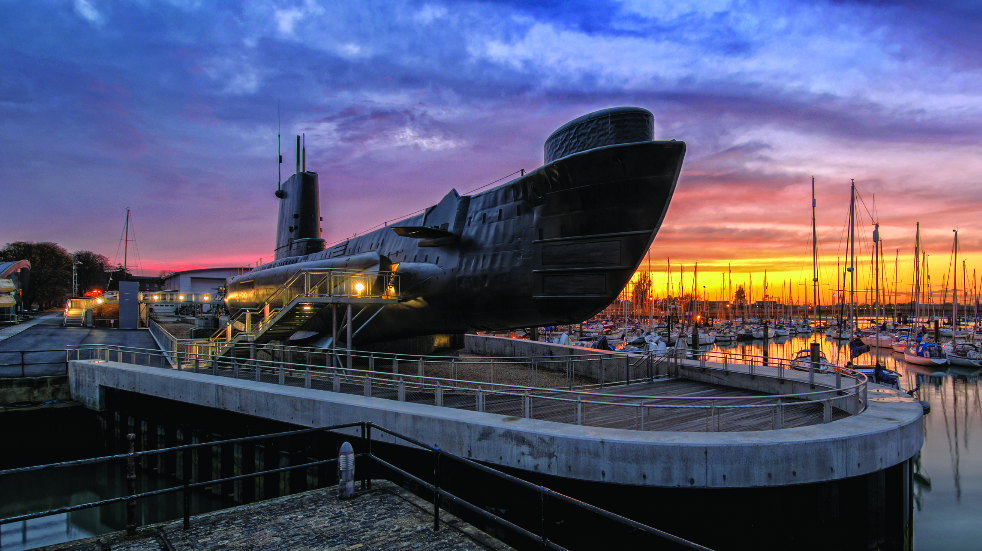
886 434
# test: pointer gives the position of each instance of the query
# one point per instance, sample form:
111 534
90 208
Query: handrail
849 396
366 439
335 282
457 383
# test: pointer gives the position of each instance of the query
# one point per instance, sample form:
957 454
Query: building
14 279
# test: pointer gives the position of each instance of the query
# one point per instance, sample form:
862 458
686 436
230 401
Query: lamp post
75 277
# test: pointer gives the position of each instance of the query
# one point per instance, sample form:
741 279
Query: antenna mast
279 154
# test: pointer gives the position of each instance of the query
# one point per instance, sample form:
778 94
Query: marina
571 276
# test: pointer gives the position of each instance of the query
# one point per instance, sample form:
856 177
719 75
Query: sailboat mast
814 252
896 284
917 273
954 292
852 258
126 242
876 310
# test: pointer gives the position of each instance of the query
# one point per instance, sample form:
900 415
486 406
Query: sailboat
918 352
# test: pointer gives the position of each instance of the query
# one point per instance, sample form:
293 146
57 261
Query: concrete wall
33 389
888 433
614 363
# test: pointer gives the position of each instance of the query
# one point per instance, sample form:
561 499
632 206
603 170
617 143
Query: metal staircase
301 298
74 317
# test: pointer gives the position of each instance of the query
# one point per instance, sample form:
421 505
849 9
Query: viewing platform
639 420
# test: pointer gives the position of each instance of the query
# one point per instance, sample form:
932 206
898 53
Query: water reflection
39 491
948 472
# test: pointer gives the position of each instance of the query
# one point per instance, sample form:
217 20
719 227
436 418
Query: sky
171 108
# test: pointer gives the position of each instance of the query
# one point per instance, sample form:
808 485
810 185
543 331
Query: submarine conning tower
298 225
613 126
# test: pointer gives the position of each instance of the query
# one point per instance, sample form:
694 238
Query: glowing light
306 307
359 287
155 297
180 297
98 301
205 298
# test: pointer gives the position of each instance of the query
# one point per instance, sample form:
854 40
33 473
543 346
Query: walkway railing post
371 459
306 377
601 371
131 487
579 410
336 380
436 489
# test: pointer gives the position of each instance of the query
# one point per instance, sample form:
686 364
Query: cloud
86 10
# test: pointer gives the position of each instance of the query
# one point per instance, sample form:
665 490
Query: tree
51 271
92 272
116 275
740 297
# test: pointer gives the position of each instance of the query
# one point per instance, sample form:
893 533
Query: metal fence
446 467
487 385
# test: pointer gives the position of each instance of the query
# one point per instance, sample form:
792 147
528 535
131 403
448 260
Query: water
39 491
948 471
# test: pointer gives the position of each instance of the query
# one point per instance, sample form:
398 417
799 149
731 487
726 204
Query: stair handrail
333 287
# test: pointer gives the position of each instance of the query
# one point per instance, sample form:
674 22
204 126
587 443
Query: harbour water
948 471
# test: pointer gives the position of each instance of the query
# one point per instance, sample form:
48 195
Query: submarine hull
555 246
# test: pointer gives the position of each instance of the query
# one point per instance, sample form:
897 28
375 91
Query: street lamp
75 277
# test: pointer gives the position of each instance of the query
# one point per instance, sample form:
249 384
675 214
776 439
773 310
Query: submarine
554 246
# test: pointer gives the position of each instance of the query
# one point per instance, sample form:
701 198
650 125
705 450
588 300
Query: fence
469 383
525 526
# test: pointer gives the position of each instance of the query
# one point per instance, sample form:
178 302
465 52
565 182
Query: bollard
346 472
131 488
438 396
815 355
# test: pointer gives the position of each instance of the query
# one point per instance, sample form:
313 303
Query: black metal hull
555 246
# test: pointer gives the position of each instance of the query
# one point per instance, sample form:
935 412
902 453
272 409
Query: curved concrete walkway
887 433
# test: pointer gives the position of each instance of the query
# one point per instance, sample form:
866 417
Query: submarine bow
554 246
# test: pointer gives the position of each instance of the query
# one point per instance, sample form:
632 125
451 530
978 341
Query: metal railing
312 284
469 383
527 526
